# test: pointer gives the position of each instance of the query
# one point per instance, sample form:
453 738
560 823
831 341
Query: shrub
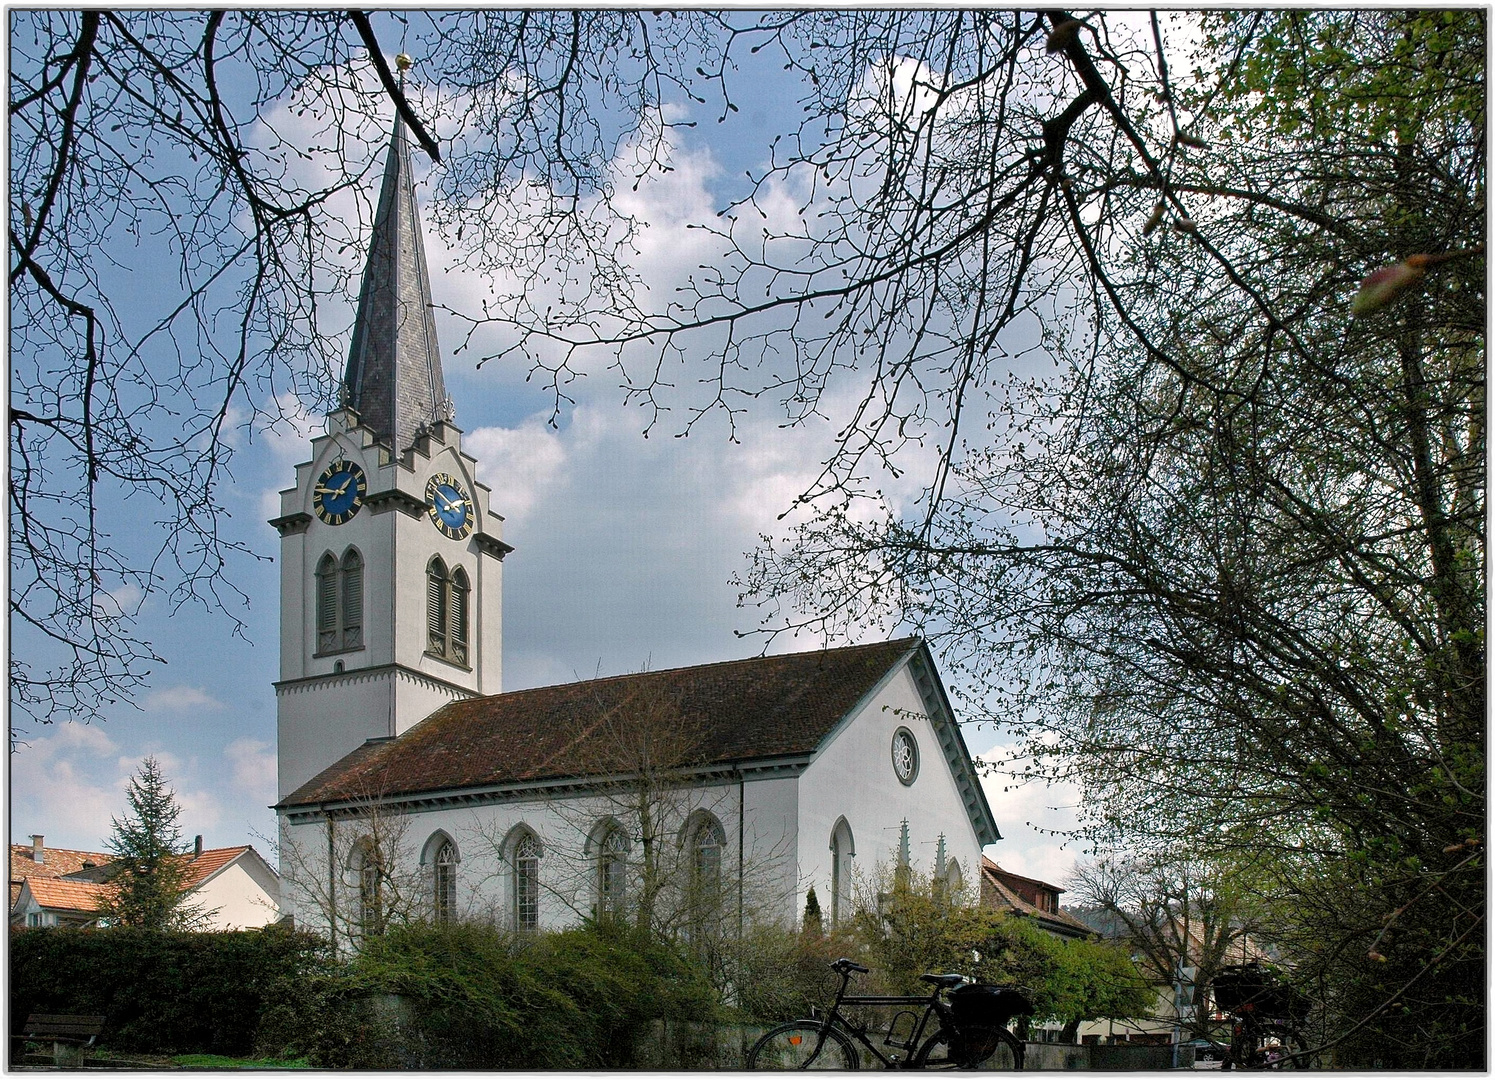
475 997
161 991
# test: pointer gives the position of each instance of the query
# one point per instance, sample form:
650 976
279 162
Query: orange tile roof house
58 887
35 860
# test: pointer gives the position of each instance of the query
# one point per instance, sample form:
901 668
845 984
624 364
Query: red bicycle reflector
795 1040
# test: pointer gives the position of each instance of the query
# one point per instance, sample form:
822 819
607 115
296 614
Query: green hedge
161 991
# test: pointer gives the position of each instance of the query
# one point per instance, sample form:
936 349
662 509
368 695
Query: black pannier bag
1254 988
980 1011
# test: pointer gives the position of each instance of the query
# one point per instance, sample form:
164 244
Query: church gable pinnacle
394 379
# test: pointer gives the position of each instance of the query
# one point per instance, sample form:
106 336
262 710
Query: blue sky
625 547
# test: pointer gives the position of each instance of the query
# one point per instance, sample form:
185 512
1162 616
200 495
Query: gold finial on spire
404 63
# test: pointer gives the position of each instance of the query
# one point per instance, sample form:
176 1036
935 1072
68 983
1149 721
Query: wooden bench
70 1035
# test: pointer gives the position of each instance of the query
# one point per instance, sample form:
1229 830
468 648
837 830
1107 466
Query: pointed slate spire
394 367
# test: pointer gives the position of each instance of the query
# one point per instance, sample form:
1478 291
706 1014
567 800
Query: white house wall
241 896
853 777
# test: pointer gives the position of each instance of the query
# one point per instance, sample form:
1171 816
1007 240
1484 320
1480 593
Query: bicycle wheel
935 1053
1281 1048
793 1046
1272 1046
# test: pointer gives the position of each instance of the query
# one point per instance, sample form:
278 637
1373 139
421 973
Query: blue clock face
339 492
448 506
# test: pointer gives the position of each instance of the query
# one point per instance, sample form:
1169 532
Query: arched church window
527 852
340 602
954 880
444 882
843 848
612 872
707 844
447 606
370 892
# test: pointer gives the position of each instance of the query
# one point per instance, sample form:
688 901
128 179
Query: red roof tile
60 894
713 714
999 893
211 861
56 862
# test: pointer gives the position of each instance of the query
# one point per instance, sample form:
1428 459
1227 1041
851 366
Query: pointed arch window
527 852
708 842
612 872
340 603
370 892
444 882
447 606
843 848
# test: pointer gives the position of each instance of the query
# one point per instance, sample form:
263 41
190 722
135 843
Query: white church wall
319 722
483 836
853 777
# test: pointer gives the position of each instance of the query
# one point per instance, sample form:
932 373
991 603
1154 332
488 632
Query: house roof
56 862
211 861
997 889
61 894
712 715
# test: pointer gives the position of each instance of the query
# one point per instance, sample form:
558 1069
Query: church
411 786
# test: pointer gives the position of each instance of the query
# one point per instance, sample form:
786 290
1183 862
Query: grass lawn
218 1061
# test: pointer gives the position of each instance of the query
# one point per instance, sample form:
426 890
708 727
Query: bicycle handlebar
844 966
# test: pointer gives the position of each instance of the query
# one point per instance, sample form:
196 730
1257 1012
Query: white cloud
520 464
1027 816
178 699
253 765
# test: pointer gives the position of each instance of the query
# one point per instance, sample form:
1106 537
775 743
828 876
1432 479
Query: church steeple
394 377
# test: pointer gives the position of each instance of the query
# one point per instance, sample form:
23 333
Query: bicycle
1264 1034
961 1034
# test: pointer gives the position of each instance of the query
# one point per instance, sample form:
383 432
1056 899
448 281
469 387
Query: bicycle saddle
943 981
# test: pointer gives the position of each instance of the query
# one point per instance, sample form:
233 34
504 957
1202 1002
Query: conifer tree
150 868
813 923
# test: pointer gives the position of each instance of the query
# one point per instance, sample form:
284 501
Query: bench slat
44 1024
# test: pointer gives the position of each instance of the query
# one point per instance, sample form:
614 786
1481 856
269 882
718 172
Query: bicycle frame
931 1005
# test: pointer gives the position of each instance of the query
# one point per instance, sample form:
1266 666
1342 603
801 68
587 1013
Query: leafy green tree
150 871
915 926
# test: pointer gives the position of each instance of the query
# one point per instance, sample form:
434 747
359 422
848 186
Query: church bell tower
391 560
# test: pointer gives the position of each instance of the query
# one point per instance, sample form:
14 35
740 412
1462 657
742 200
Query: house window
339 603
447 596
842 850
370 893
612 872
954 882
444 882
527 883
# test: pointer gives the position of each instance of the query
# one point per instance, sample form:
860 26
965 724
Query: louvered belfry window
327 589
339 603
352 600
436 621
447 595
457 617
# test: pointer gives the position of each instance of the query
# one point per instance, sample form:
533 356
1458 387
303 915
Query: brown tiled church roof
714 714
